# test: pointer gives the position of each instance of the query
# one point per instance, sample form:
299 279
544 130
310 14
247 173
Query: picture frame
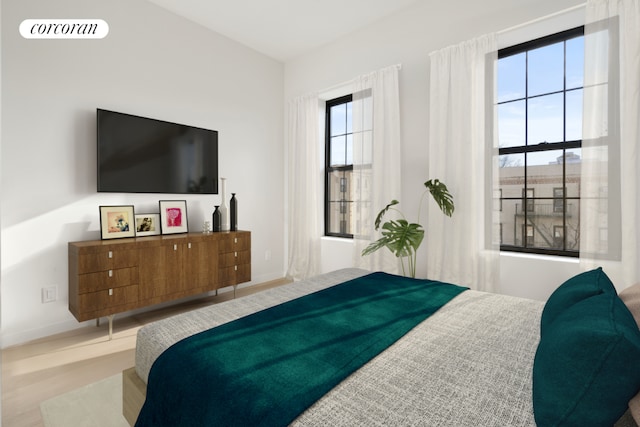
117 222
147 224
173 216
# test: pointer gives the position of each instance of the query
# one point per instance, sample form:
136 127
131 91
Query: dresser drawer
235 242
234 258
101 300
104 280
89 262
243 273
228 276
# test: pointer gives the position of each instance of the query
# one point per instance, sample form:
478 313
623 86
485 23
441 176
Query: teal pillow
576 289
586 366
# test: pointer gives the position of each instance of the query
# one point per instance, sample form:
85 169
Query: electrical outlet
49 294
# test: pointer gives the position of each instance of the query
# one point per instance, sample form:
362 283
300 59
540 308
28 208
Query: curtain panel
611 134
305 186
461 249
375 179
376 161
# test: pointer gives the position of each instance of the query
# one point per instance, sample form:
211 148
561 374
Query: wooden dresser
112 276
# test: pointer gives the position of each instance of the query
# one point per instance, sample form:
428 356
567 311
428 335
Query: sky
540 74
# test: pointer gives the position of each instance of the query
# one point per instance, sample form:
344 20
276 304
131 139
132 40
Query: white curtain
461 249
611 134
304 186
376 161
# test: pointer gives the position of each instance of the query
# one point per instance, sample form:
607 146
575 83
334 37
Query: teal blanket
265 369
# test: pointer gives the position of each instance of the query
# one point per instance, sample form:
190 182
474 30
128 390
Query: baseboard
24 337
15 339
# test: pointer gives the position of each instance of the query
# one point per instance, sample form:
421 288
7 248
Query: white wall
153 64
407 38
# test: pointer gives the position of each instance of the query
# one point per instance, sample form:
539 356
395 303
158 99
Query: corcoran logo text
64 29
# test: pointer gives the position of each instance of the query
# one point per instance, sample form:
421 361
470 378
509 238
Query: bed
471 363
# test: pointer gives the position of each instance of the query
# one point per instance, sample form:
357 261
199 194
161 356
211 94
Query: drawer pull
110 273
189 245
235 267
110 292
110 254
235 240
175 247
235 254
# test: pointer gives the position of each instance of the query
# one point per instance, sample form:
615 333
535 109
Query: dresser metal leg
110 317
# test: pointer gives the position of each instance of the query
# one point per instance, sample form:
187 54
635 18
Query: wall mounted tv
143 155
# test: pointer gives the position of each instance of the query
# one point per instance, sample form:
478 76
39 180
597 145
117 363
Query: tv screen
143 155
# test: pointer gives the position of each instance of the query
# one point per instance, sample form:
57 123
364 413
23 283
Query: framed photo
173 216
147 224
116 222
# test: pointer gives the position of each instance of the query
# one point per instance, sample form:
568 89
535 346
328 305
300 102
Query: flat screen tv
143 155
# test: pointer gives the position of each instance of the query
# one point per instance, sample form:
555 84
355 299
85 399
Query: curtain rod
533 21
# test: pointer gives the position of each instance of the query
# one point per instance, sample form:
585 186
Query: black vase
233 212
216 220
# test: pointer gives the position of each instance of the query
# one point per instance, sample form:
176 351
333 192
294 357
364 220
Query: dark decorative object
216 220
233 206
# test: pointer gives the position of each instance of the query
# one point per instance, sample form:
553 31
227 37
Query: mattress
468 364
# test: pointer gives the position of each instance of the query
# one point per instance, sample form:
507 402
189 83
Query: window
558 200
338 167
539 107
558 235
527 234
528 199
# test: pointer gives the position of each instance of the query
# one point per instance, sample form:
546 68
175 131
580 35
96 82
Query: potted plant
404 238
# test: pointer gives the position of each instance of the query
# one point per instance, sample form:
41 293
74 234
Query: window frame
331 169
564 145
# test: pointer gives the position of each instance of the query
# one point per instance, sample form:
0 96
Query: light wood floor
39 370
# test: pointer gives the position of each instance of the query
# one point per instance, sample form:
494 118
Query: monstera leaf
384 211
441 195
403 238
400 237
